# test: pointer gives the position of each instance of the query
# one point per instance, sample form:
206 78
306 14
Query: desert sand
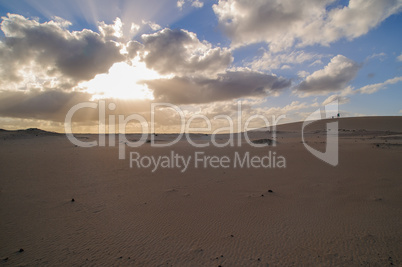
315 215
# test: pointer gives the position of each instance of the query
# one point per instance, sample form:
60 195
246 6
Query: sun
122 81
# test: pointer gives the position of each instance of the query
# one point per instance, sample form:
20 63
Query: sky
205 57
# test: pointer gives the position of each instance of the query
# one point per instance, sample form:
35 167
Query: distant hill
374 123
38 131
26 133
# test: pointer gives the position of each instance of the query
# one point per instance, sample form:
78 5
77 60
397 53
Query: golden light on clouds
122 81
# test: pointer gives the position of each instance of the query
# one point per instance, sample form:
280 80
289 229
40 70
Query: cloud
194 3
316 62
372 88
292 107
180 52
111 31
197 4
134 28
360 16
306 22
133 48
248 22
270 61
154 26
303 74
341 100
180 4
35 104
369 89
230 85
48 64
399 58
49 51
249 107
53 105
380 56
333 77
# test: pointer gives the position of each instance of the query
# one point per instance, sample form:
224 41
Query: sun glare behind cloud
122 81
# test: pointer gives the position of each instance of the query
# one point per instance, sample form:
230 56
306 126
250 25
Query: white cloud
360 16
294 106
180 4
271 61
341 100
369 89
380 56
303 74
154 26
283 24
61 22
399 58
111 31
251 107
197 4
333 77
372 88
316 62
179 52
194 3
134 29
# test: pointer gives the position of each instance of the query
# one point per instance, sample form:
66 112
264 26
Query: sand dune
315 214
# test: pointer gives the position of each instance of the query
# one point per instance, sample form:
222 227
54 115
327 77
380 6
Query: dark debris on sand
263 141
